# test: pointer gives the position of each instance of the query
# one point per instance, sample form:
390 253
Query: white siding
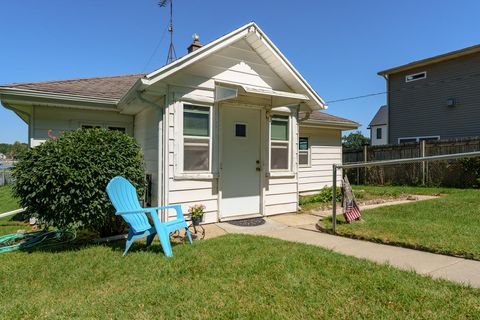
67 119
240 64
146 132
281 194
182 191
325 150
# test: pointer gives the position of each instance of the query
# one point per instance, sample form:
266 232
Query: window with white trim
303 152
279 143
379 133
197 140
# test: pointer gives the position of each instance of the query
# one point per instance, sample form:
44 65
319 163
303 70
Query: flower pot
196 221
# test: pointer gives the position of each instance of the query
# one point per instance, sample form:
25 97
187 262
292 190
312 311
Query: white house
231 125
379 127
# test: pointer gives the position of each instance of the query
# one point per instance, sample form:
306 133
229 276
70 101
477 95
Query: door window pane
240 130
196 121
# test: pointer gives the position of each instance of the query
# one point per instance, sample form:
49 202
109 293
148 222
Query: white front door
240 165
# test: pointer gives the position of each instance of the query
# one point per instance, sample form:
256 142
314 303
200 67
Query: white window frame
417 139
280 172
415 74
180 138
308 151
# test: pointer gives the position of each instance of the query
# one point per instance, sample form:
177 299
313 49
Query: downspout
161 151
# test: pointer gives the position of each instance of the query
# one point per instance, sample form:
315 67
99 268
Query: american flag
352 212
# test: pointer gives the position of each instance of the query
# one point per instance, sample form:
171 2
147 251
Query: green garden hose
39 239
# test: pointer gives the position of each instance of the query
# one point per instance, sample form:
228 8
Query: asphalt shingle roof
381 117
322 116
113 87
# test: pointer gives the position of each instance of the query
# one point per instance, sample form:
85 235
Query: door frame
262 152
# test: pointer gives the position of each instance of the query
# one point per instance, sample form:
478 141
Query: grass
231 277
448 225
8 203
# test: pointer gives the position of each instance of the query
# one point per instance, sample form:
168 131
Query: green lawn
8 203
448 225
230 277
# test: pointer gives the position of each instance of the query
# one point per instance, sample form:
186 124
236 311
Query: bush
63 181
324 196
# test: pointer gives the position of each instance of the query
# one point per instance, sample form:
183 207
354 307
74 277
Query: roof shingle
322 116
113 87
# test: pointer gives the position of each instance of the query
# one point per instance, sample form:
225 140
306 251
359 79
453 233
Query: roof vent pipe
195 44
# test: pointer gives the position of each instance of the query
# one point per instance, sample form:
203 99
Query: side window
91 126
379 133
196 138
121 129
279 143
303 152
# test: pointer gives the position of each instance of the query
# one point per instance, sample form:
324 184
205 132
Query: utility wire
414 86
156 48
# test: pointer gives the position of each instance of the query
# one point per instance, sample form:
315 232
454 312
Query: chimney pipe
195 44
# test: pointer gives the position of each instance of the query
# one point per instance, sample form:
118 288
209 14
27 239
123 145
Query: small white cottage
231 125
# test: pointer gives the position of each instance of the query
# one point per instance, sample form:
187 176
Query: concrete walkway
301 228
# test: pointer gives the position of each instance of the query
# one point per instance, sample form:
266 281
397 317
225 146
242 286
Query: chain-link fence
6 176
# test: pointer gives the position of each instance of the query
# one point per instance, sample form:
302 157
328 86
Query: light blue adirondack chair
124 198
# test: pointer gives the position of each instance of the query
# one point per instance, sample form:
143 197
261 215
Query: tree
17 149
355 140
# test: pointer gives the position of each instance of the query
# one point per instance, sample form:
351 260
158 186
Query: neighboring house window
196 138
303 152
379 133
416 76
279 143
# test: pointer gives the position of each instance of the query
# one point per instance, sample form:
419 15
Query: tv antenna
172 55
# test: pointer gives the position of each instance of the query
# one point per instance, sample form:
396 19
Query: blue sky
338 46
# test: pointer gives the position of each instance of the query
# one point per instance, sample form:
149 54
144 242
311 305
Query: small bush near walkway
63 181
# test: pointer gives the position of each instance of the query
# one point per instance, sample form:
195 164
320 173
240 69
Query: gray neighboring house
379 127
435 98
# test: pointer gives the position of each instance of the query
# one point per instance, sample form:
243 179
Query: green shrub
63 181
324 196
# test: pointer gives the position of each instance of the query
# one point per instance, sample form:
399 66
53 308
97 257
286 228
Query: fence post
422 145
334 199
365 159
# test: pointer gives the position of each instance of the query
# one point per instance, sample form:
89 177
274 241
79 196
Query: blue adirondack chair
124 198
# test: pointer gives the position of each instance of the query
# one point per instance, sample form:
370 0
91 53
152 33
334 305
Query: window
379 133
303 152
416 76
91 126
240 130
279 143
121 129
196 138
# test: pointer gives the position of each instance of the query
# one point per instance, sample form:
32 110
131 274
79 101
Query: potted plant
196 213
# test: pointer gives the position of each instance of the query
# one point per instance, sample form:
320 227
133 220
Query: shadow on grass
117 246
